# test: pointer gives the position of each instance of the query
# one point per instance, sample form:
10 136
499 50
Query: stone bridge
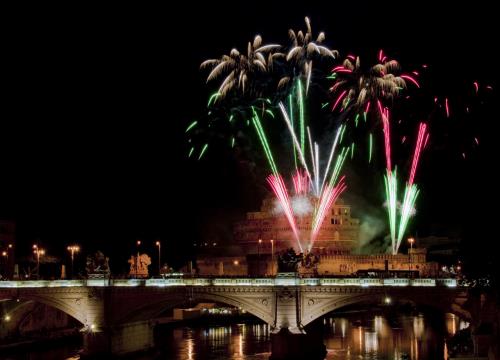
118 316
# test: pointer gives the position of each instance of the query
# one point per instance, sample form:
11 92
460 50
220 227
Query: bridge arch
161 303
444 303
71 308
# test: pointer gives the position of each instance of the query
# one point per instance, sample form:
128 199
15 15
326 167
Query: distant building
253 252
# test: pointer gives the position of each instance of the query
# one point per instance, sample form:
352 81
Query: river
351 335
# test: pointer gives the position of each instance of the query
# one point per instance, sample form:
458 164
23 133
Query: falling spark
338 99
370 147
408 77
203 151
192 125
476 86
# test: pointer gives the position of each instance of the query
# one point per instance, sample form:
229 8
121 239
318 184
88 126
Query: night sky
96 101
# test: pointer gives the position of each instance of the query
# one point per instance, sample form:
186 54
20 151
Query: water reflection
358 335
454 323
380 337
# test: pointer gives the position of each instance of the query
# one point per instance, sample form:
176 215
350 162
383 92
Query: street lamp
5 254
73 249
272 256
411 241
37 251
159 256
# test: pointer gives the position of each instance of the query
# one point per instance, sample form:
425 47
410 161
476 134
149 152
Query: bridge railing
285 281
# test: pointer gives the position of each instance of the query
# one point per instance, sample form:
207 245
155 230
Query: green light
270 113
192 125
191 152
263 141
302 118
342 134
232 142
203 151
370 140
391 191
290 102
212 98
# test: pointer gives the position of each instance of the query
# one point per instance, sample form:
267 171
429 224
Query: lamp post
411 241
5 254
272 257
159 257
258 255
37 251
73 249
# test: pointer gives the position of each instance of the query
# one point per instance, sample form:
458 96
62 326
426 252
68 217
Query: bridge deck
277 281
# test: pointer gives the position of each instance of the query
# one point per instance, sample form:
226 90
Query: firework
302 52
239 69
300 182
370 147
263 140
391 191
418 149
203 149
328 197
278 186
192 125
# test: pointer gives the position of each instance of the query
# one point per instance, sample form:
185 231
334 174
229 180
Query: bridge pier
289 341
286 345
119 339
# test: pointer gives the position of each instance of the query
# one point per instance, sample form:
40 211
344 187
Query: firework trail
410 196
263 140
411 190
278 186
295 141
205 147
300 182
391 191
387 135
332 151
422 134
328 197
370 141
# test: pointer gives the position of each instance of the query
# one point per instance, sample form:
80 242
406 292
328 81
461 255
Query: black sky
96 100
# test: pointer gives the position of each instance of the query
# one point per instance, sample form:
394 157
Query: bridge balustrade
278 281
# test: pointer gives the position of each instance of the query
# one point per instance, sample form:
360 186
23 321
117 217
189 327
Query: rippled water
357 335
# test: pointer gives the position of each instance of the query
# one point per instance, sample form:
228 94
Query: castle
265 233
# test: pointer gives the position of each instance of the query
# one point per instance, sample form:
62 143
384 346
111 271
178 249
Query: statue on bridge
309 264
288 261
97 266
139 266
